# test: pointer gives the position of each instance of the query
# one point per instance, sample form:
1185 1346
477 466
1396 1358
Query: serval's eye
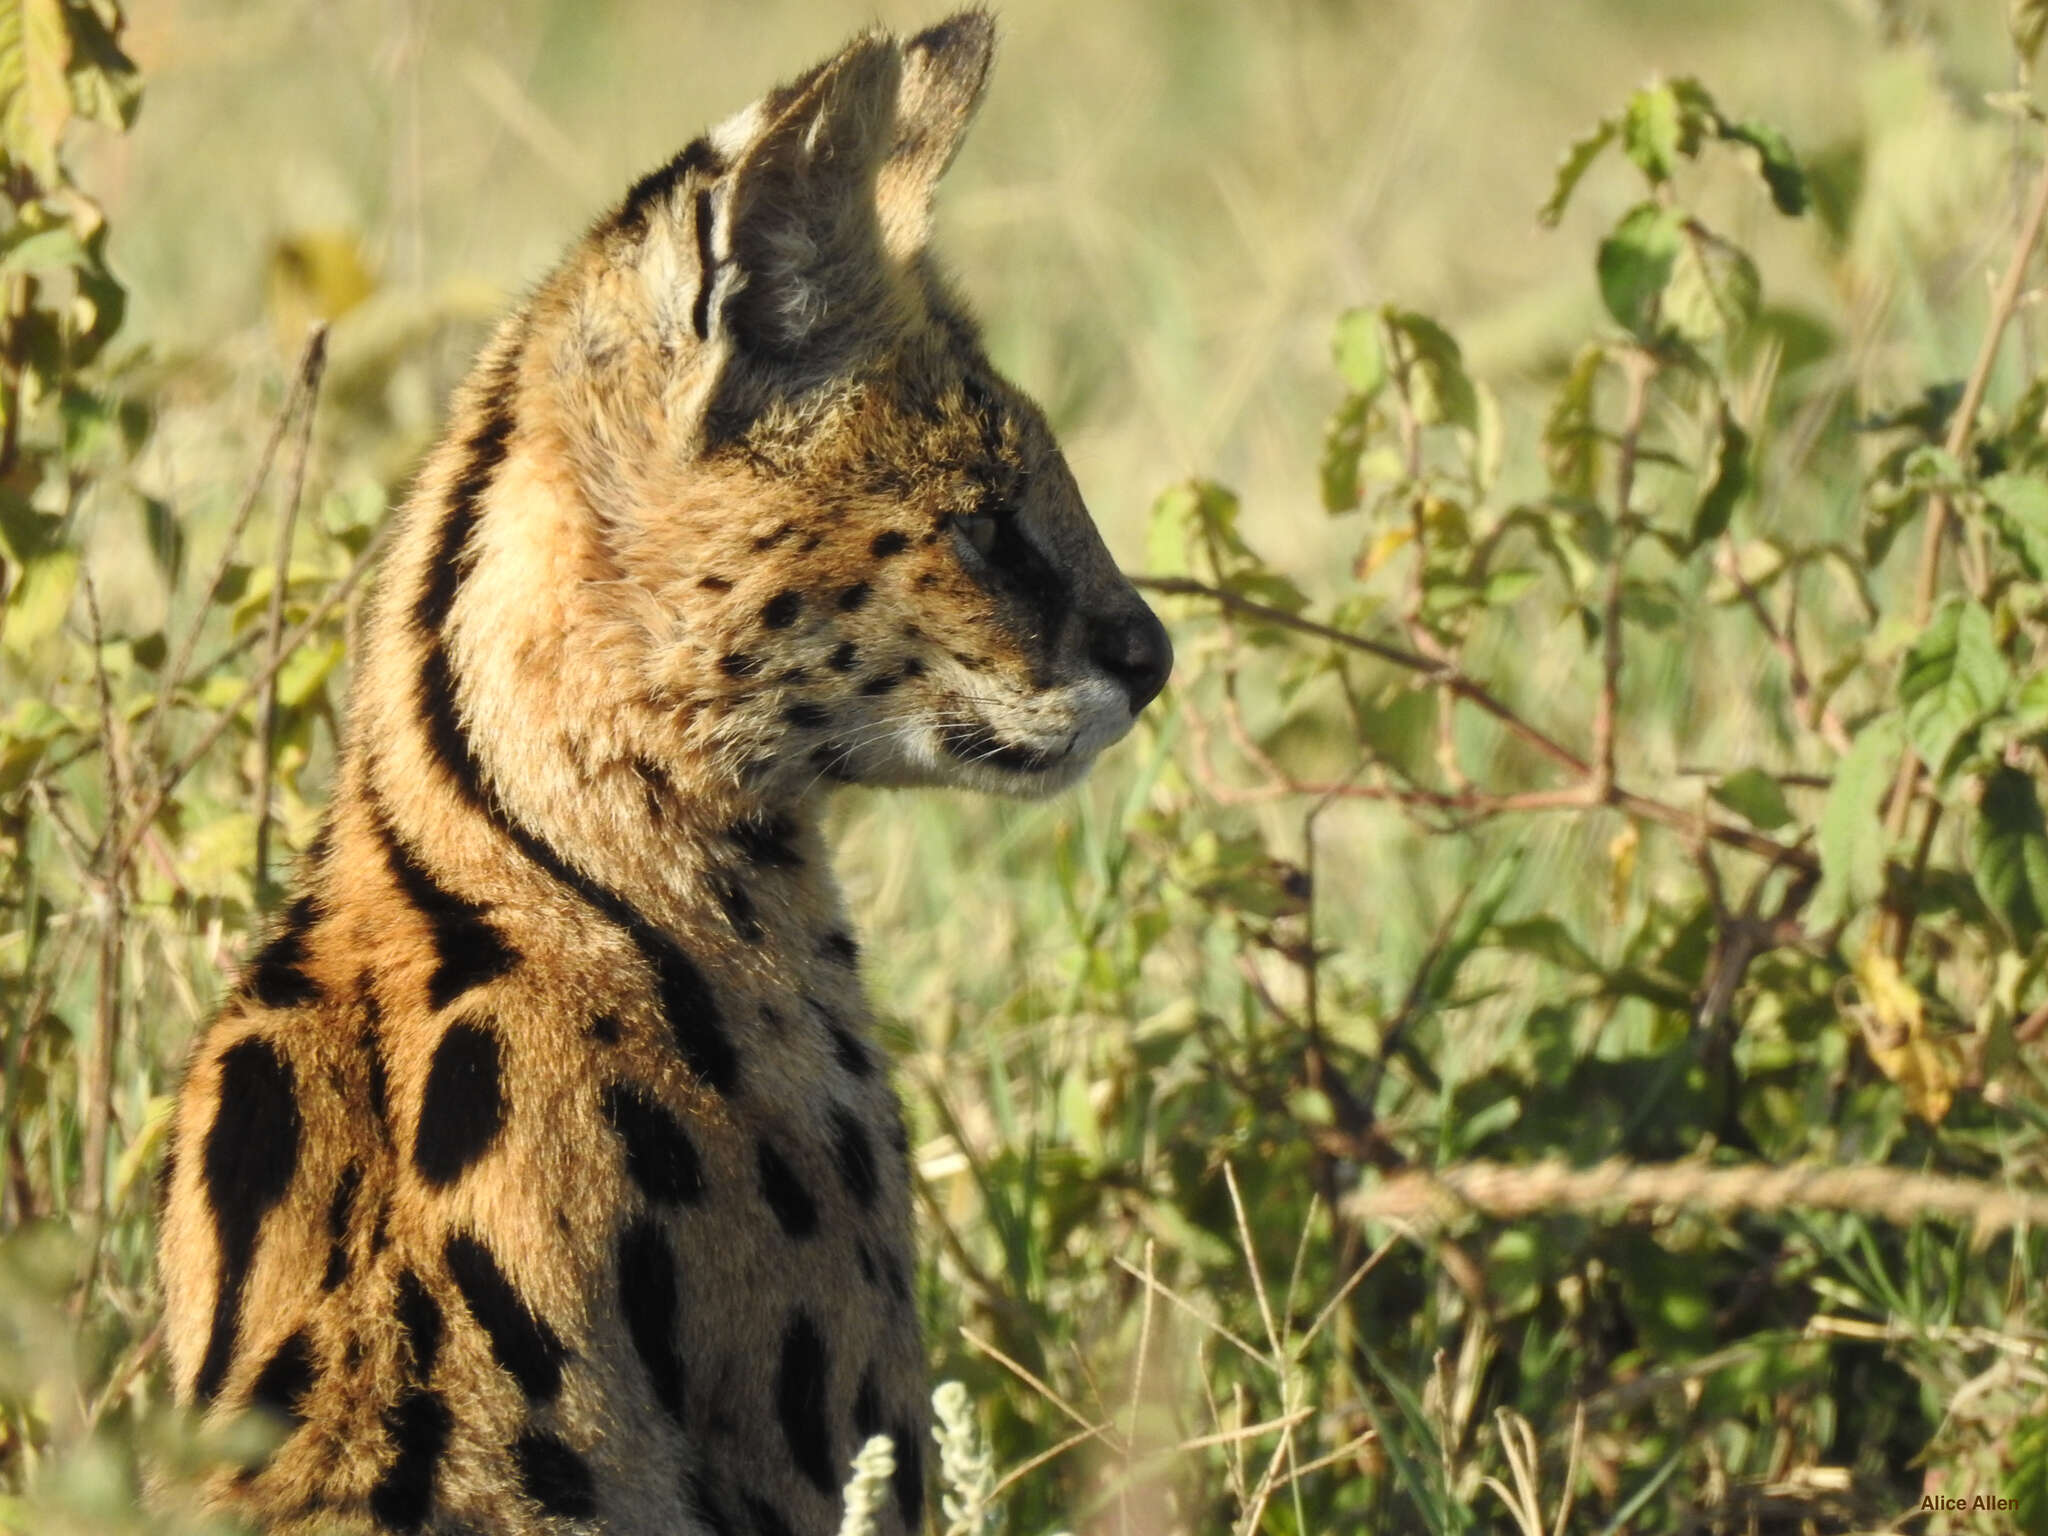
979 530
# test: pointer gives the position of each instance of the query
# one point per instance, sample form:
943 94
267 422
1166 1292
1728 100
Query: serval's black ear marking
945 72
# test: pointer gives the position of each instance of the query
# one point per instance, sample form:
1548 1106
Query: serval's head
837 530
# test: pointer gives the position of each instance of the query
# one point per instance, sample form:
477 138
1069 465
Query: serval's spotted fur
541 1174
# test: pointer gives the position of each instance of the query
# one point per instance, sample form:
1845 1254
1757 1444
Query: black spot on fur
807 717
739 664
786 1196
867 1407
840 946
463 1108
705 1503
419 1316
911 667
899 1279
692 1013
660 184
926 580
251 1152
853 1056
874 687
338 1210
853 597
378 1227
554 1476
714 583
418 1425
520 1342
604 1029
660 1156
482 455
767 841
738 907
780 611
844 657
835 762
649 1294
801 1380
441 720
908 1477
276 976
773 537
372 1047
856 1158
702 215
467 950
767 1519
887 544
286 1378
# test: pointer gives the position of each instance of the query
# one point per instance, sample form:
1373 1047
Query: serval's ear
945 71
807 271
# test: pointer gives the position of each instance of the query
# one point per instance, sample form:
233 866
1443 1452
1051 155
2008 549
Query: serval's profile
541 1174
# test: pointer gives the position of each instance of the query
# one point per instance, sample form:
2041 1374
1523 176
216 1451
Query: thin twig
175 774
174 674
1640 369
99 1076
310 369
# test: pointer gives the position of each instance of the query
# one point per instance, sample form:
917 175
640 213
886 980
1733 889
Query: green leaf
1756 797
1482 904
1653 132
2009 847
1433 368
1775 163
2026 1455
1343 444
1952 677
1851 831
1572 166
35 92
1571 441
47 250
40 599
1504 587
1547 938
1727 479
2030 702
2019 514
105 85
1714 289
1635 265
1361 360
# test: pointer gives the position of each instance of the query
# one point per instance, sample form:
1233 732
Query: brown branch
1817 717
310 369
1442 674
1579 796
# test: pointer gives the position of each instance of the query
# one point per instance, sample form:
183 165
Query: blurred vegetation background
1155 1035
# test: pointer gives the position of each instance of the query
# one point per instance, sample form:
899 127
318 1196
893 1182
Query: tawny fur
540 1176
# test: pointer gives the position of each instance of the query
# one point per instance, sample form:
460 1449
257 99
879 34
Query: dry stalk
1510 1192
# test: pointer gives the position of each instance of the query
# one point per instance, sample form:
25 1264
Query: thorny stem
310 369
1960 427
